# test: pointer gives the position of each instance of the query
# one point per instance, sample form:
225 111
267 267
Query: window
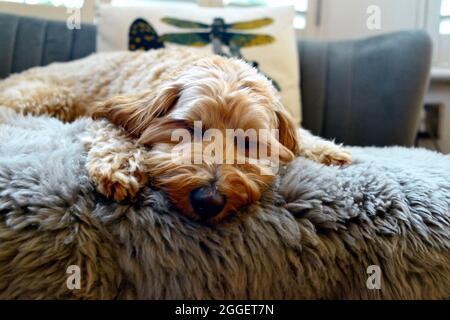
55 3
444 26
301 6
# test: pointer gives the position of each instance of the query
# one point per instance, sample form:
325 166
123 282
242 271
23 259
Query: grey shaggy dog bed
313 236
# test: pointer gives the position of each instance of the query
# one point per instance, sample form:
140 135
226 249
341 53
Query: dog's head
214 132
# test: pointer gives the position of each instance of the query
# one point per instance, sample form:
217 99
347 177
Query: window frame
444 17
441 42
312 18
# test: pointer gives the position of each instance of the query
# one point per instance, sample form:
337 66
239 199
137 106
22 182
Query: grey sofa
364 92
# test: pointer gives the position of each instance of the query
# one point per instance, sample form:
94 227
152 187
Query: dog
141 98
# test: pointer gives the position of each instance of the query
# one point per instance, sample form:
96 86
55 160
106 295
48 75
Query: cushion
263 36
320 232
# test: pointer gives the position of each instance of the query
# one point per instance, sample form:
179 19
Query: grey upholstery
364 92
29 42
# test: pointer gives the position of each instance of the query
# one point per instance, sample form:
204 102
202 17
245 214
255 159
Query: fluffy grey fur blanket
315 235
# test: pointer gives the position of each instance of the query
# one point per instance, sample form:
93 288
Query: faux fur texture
312 236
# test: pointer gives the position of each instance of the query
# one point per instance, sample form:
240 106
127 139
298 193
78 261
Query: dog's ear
287 131
135 112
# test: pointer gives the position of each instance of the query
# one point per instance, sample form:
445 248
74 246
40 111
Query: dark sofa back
366 92
28 42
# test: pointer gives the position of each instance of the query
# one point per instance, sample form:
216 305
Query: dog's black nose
207 202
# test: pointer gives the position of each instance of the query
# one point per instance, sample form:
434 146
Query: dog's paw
336 156
114 163
118 185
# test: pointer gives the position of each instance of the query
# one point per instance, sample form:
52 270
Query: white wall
344 19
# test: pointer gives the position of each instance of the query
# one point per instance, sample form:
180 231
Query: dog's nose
207 202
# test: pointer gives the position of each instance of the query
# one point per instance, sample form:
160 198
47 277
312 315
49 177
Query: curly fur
311 236
149 95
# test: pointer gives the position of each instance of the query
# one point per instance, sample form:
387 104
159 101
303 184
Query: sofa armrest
366 92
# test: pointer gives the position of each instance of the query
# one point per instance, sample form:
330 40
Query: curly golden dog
146 97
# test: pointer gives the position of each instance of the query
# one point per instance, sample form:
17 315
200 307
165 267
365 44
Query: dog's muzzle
207 202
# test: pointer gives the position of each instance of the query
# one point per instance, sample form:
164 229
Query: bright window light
55 3
68 3
300 5
445 8
444 27
300 21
